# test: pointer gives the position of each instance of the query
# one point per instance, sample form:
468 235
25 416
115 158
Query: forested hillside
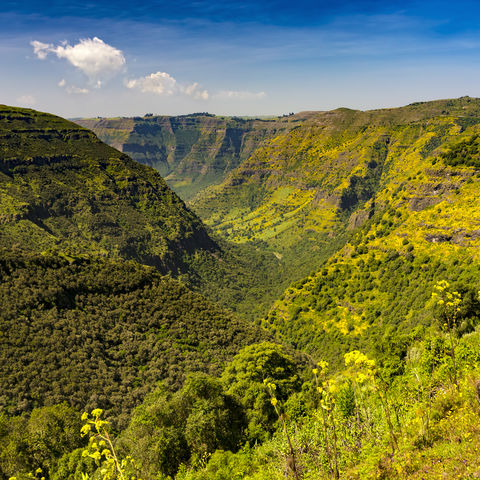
62 189
79 323
368 364
96 332
420 226
307 190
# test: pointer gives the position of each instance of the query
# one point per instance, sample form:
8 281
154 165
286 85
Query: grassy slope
60 184
425 227
307 190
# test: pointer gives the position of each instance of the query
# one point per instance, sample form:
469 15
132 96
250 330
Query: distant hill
190 151
306 190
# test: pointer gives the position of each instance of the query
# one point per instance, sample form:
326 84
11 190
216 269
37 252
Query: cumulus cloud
92 56
27 100
195 91
161 83
239 94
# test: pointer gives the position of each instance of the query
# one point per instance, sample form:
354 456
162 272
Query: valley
288 297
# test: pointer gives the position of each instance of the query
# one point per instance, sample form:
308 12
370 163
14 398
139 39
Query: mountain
62 186
411 202
308 186
73 211
84 316
62 189
377 216
190 151
305 191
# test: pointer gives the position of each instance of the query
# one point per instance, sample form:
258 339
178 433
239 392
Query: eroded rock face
357 219
438 237
421 203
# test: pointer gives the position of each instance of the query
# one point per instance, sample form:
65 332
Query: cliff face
190 151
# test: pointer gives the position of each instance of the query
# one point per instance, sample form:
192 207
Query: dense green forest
102 333
333 327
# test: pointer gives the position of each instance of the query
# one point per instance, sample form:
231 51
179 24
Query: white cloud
194 91
76 90
92 56
26 100
239 94
72 89
40 49
161 83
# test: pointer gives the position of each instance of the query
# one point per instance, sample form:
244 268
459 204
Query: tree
38 441
173 428
244 379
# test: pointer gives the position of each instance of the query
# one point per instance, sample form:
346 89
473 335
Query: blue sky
235 58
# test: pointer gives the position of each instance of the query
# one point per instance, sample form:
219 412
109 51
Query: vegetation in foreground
266 417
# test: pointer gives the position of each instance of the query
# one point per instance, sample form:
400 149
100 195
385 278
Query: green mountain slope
83 319
60 184
190 151
379 206
305 191
103 332
421 226
62 189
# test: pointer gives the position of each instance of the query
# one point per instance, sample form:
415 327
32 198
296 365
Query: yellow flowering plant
449 302
100 447
326 389
291 458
